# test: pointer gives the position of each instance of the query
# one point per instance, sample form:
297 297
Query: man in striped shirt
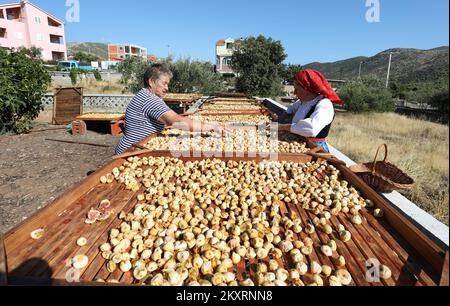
147 113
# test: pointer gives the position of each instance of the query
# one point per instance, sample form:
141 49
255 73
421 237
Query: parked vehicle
72 64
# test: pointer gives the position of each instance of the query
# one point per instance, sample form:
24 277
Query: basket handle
376 156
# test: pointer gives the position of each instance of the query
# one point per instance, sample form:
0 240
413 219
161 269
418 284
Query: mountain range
408 65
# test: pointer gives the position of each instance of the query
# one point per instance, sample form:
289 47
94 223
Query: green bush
73 73
440 101
419 92
368 95
97 75
23 82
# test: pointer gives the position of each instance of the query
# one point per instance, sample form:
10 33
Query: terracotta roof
221 43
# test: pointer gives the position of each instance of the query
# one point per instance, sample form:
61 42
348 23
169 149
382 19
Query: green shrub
368 95
97 75
23 82
73 73
440 101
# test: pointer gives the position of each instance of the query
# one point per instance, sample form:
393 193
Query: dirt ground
34 171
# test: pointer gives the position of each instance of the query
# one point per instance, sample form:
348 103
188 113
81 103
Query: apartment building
24 24
224 52
120 52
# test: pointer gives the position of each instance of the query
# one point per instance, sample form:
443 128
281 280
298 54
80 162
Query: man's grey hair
155 72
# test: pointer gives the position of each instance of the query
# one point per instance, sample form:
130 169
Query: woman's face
301 93
160 87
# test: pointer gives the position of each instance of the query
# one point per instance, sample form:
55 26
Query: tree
258 63
367 95
23 82
288 72
133 70
85 58
188 76
194 76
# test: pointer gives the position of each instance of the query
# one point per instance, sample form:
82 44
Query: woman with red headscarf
313 113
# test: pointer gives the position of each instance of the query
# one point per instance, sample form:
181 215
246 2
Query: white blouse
311 127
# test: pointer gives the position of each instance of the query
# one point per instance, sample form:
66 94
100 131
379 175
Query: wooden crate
67 105
413 258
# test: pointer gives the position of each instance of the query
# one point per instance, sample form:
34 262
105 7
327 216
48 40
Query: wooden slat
444 277
59 234
405 252
3 266
424 245
361 246
390 260
96 233
37 220
69 248
408 265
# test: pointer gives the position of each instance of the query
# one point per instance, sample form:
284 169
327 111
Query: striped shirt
142 119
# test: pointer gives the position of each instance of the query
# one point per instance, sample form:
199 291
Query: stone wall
96 103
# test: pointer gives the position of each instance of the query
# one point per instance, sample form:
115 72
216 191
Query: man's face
161 86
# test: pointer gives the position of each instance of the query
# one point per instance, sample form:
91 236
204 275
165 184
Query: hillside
98 49
408 65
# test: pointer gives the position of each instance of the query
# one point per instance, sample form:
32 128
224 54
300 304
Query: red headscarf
315 82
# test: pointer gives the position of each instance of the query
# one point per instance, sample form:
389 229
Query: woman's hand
284 127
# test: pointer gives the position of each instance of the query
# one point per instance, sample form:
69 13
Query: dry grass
418 147
92 86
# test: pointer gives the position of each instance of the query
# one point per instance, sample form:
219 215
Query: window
127 49
2 16
2 33
13 13
57 56
121 48
37 20
229 45
55 39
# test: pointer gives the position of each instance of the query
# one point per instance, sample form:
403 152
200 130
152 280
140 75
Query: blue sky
320 30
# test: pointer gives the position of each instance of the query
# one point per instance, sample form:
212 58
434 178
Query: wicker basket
383 176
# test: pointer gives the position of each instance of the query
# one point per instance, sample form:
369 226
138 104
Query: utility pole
389 70
359 74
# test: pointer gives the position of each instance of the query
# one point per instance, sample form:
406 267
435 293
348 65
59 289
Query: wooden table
413 258
113 121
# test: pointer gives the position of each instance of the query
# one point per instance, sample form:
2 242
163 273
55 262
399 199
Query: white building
224 51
